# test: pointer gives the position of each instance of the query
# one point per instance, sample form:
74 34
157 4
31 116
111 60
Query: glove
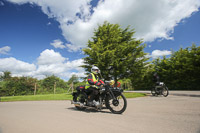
102 82
98 83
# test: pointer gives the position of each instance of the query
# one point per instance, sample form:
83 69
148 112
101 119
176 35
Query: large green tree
114 47
74 78
182 69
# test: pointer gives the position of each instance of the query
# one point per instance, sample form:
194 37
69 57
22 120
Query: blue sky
39 38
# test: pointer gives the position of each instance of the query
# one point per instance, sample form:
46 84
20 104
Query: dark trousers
92 93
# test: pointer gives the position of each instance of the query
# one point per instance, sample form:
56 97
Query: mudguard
117 92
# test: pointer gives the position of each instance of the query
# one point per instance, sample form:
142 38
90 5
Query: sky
39 38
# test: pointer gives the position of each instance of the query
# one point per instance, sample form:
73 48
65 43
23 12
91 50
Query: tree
6 75
17 86
74 78
114 47
182 69
49 83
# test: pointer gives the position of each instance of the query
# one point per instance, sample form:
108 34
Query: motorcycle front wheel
118 105
165 91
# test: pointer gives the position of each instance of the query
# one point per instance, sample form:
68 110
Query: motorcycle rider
93 82
156 79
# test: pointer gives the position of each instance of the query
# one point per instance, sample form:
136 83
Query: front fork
111 94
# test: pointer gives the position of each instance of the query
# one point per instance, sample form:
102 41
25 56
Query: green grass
133 95
37 97
55 97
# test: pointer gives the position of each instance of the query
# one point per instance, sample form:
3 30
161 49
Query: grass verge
55 97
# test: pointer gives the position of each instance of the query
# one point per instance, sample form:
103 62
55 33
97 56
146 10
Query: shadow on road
189 95
89 110
156 96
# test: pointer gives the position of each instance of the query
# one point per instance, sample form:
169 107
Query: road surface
172 114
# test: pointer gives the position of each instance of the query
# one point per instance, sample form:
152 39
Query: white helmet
95 70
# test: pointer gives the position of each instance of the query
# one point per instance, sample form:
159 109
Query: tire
165 91
112 105
153 92
79 97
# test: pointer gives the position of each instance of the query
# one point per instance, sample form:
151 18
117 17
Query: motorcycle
160 89
110 96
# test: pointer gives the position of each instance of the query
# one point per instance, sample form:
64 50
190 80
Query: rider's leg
91 96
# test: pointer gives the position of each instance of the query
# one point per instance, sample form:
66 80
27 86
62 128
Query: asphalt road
172 114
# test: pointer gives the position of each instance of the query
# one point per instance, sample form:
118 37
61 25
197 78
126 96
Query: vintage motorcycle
160 89
110 96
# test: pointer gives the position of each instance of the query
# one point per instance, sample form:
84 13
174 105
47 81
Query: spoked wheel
165 91
80 97
117 106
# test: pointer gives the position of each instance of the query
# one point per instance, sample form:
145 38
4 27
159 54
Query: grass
133 95
37 97
55 97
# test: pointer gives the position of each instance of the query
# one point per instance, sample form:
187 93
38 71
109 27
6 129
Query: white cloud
158 53
62 10
58 44
17 67
49 23
51 62
48 57
1 3
5 50
73 48
48 63
151 19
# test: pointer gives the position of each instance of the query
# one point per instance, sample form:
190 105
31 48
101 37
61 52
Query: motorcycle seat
80 88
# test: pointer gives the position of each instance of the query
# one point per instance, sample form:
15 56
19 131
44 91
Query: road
172 114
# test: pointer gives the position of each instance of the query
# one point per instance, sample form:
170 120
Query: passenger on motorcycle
93 82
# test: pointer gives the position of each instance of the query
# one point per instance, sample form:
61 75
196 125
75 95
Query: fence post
55 88
72 87
35 89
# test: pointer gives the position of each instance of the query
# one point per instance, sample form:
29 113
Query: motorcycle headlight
112 82
161 83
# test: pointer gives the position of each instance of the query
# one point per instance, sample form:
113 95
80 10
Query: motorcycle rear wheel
115 105
153 92
79 97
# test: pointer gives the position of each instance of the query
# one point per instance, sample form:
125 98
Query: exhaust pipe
79 104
